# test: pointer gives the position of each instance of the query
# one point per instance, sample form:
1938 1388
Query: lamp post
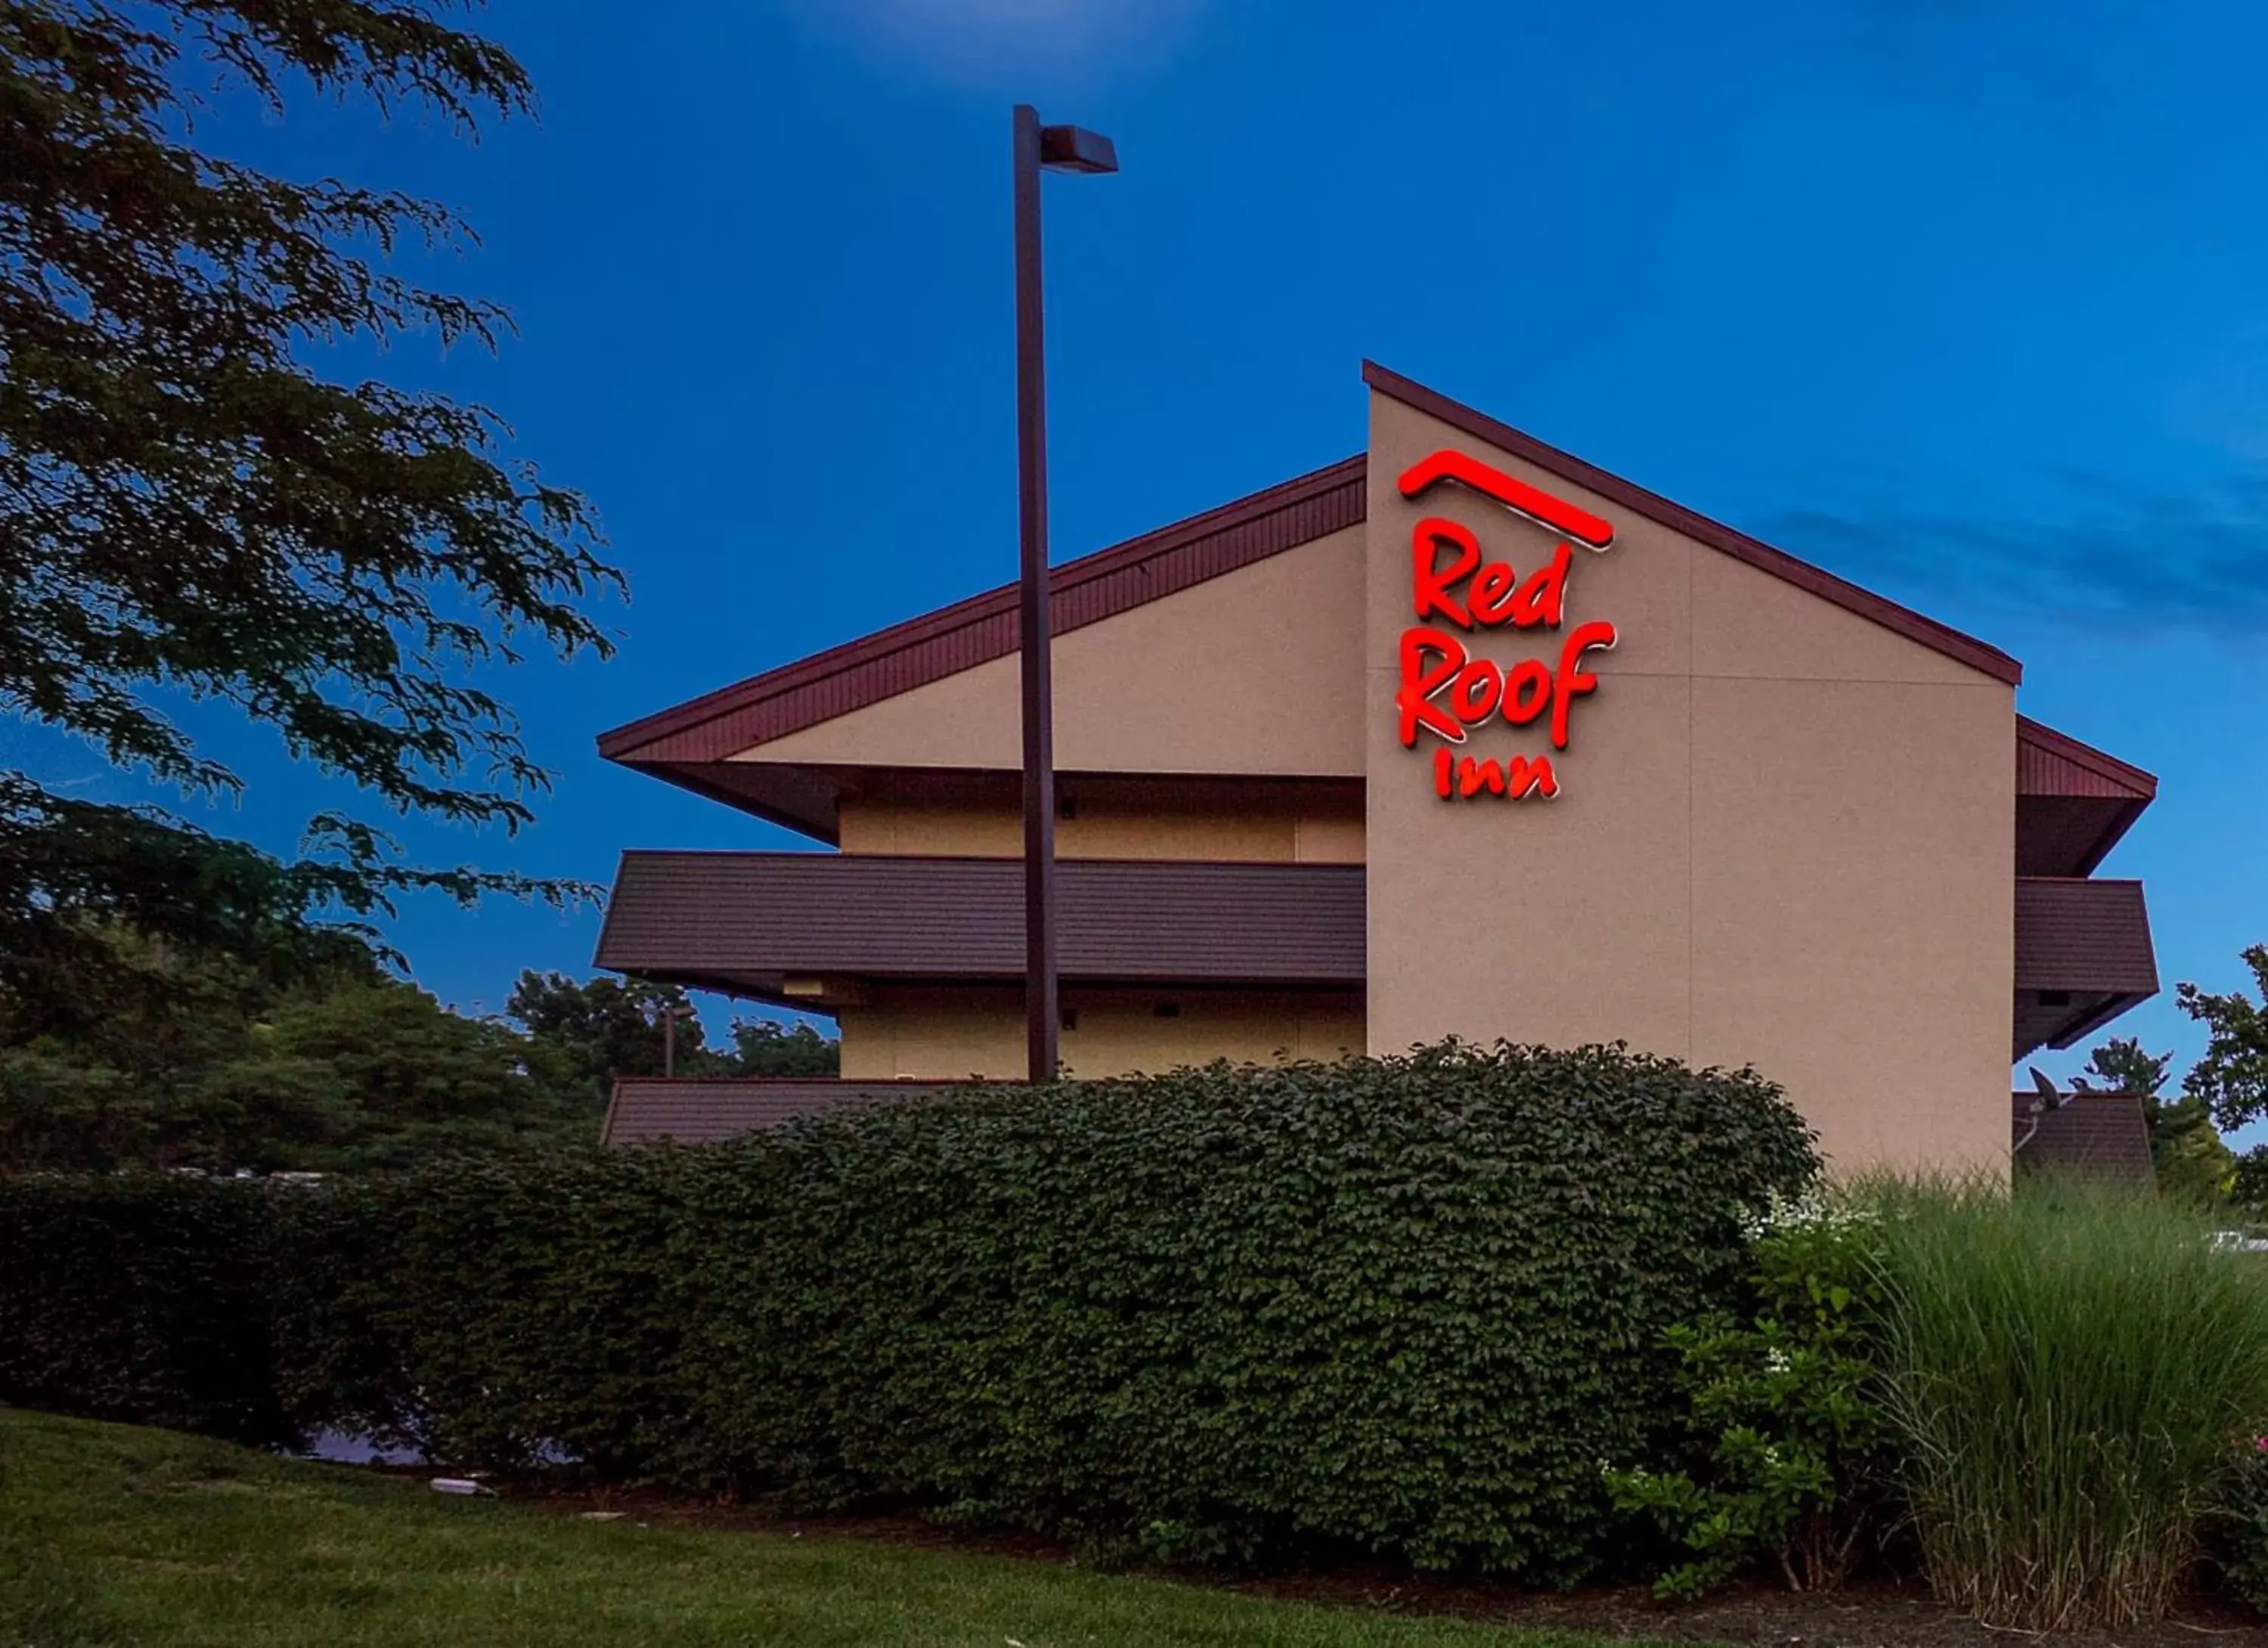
670 1015
1054 149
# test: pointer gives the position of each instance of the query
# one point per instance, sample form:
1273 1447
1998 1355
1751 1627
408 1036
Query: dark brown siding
646 1108
984 627
2075 935
2083 956
750 916
2102 1135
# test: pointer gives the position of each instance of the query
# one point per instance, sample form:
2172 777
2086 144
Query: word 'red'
1446 691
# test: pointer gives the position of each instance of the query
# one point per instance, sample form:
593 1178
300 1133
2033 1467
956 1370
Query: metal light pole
669 1018
1056 149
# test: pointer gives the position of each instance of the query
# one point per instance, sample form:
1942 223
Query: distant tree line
207 1064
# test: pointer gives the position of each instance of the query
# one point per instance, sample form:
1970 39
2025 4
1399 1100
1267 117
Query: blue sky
1966 300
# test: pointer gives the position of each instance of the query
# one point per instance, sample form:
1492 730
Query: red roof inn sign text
1445 690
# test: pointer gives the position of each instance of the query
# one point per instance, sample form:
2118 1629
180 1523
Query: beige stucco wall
1209 835
946 1033
1249 672
1785 836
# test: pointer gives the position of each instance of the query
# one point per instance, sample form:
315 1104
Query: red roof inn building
1462 734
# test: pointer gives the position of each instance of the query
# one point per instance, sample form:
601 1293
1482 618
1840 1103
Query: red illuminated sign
1448 692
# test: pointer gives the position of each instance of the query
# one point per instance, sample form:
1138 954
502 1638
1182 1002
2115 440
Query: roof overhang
749 924
2073 802
2083 956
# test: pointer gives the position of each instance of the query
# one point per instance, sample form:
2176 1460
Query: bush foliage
1784 1403
1397 1305
2238 1540
146 1298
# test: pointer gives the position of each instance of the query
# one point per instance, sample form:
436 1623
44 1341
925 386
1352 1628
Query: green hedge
146 1298
1397 1305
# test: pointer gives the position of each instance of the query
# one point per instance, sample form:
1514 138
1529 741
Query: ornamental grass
2074 1371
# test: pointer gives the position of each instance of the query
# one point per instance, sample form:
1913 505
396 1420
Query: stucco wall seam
1692 852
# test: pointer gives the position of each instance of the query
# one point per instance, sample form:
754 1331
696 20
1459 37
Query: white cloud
979 41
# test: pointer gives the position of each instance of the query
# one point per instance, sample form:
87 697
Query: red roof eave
2124 777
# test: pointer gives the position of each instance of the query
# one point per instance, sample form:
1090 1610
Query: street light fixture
1056 149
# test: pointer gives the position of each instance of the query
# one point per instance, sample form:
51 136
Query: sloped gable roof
812 690
984 627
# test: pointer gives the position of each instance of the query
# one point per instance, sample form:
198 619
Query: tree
2232 1079
609 1027
2191 1160
99 1079
765 1047
187 507
351 1071
401 1079
2120 1066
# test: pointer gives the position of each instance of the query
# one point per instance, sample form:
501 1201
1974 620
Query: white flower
1819 1207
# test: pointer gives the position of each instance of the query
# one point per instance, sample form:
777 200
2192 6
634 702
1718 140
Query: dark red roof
2078 934
2052 764
2101 1135
2073 803
700 1110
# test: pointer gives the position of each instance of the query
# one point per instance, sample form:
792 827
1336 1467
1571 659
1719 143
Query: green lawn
110 1535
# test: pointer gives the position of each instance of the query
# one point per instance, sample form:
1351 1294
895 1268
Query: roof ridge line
621 743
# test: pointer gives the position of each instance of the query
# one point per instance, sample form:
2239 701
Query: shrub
1395 1305
1783 1401
505 1313
2067 1369
143 1298
2240 1540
